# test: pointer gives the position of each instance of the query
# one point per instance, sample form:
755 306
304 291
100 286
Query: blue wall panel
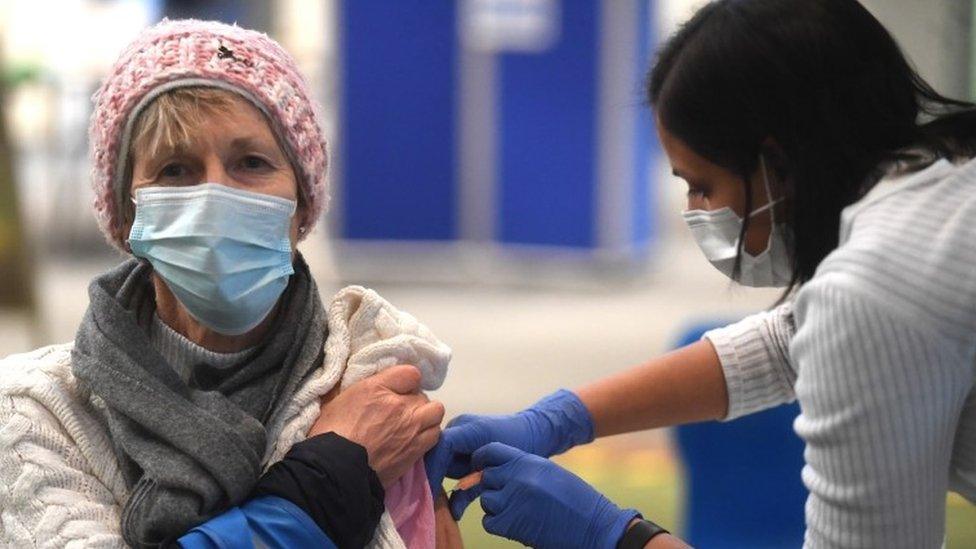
397 130
646 147
547 136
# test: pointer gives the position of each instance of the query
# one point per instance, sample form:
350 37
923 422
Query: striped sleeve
754 354
881 396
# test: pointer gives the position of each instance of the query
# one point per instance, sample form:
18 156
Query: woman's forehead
245 125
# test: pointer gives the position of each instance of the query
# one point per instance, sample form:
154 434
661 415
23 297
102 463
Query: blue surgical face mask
223 252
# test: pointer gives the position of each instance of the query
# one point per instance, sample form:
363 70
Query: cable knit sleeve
754 354
48 495
60 484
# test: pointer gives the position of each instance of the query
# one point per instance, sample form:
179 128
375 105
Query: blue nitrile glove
549 427
532 500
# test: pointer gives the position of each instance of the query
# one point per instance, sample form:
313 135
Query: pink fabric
175 52
411 506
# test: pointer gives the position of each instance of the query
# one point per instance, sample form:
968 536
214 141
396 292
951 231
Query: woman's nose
216 172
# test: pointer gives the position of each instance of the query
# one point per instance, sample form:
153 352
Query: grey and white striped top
879 348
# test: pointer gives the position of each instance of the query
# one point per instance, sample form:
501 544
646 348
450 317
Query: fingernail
469 481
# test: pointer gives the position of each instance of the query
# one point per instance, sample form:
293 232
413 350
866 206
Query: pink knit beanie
189 52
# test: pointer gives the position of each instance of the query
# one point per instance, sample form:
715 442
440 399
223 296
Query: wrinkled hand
389 416
550 426
532 500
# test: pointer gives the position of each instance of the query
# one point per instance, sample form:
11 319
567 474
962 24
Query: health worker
817 161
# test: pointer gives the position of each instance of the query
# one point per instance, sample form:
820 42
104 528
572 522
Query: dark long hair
824 82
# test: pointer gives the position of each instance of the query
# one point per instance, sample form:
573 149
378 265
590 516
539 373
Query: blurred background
494 171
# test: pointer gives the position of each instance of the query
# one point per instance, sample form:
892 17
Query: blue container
743 485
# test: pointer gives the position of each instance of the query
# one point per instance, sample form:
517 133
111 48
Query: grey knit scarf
188 451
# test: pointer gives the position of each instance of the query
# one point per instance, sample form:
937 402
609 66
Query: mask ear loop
769 194
135 205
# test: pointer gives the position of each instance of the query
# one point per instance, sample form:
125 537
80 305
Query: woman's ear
301 224
775 161
306 221
128 216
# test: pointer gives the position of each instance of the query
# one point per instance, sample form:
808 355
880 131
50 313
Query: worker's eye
695 192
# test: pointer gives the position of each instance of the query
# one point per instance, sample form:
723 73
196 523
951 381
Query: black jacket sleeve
329 477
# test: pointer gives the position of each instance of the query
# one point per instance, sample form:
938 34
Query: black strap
639 534
329 477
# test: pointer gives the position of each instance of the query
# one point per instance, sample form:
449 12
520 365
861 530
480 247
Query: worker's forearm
666 541
682 386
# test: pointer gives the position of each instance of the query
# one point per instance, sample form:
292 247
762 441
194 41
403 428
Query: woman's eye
252 162
173 170
695 192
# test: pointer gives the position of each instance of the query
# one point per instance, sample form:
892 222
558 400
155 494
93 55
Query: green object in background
16 289
14 75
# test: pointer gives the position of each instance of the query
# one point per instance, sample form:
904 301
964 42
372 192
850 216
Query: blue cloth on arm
267 521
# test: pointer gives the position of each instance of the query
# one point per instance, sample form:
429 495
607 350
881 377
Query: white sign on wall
509 25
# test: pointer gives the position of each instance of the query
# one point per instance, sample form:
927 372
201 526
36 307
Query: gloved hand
551 426
532 500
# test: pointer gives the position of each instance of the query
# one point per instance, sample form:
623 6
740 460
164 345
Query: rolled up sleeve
754 354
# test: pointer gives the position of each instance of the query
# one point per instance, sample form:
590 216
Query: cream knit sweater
60 483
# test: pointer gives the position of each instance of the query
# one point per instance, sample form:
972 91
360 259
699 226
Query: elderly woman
203 400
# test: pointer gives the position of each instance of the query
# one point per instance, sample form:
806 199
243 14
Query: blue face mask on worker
717 234
223 252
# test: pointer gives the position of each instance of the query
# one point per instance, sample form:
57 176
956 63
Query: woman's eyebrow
267 146
252 142
162 154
